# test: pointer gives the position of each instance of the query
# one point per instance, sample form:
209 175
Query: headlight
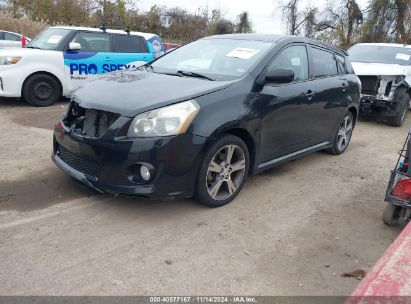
166 121
6 60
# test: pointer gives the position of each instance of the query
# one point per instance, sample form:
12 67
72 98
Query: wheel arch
39 73
246 137
354 112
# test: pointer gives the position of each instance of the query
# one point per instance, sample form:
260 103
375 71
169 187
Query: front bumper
111 165
11 81
371 106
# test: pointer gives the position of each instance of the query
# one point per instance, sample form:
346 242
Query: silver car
11 40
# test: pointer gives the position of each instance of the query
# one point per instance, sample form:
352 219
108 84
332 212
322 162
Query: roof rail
104 28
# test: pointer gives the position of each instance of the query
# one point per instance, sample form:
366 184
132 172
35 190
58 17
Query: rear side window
340 63
12 37
324 63
93 42
1 35
129 44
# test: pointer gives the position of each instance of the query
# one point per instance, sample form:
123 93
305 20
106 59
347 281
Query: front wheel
342 135
223 172
394 215
403 100
41 90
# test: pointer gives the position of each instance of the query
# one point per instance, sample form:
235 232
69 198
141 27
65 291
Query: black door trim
294 155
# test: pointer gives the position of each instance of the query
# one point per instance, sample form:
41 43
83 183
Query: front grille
370 85
77 162
89 122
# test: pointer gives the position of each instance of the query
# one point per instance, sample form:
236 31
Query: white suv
385 73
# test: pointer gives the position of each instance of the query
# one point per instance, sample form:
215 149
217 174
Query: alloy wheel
344 133
225 172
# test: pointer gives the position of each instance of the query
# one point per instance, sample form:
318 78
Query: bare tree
291 16
299 22
340 23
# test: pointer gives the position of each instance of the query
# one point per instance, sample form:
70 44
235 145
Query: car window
341 64
324 63
129 44
1 35
12 37
93 42
295 58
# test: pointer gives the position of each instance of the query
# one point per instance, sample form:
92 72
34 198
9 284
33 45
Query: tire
41 90
403 99
219 181
392 215
342 135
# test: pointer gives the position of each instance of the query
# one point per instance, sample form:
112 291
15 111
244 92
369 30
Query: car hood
378 69
132 92
22 52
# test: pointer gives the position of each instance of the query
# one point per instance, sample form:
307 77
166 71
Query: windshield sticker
401 56
242 53
296 61
54 39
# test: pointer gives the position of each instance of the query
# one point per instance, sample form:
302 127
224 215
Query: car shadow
40 190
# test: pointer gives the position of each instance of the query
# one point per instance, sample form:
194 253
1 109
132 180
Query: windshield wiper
145 67
193 74
33 47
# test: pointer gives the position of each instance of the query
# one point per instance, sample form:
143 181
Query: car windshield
380 54
218 59
48 39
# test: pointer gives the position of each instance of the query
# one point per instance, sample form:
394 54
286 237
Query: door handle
107 59
310 94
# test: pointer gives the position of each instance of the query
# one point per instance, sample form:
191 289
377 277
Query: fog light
145 173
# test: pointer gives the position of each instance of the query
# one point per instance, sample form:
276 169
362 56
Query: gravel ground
292 231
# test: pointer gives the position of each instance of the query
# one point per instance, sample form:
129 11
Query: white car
385 73
12 40
60 59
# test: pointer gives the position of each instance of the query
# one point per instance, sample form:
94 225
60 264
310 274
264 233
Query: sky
265 18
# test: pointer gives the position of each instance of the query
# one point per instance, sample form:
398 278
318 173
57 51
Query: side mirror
74 46
280 75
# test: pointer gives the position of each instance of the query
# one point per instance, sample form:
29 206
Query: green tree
243 24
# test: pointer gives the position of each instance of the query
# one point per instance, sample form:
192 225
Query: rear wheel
343 135
41 90
223 172
402 98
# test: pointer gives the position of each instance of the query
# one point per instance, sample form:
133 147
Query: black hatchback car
199 120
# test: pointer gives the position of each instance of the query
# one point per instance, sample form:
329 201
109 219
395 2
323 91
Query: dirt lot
293 230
